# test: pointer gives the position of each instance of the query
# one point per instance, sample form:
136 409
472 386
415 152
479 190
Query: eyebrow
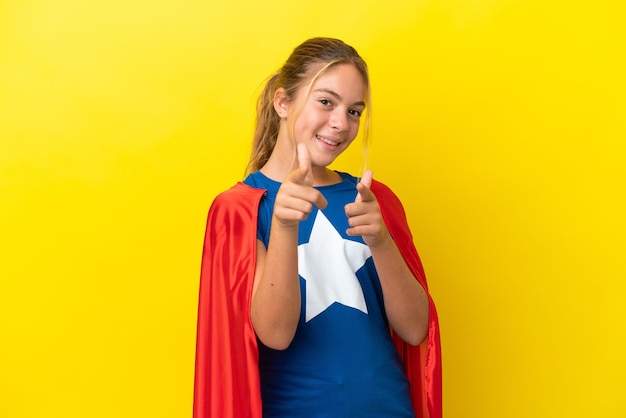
337 96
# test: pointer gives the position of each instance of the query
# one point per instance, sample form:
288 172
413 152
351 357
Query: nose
339 120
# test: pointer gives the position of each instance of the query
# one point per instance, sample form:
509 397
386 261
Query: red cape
227 374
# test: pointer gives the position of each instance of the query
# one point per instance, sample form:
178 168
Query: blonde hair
314 54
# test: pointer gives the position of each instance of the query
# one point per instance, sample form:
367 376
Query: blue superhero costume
342 361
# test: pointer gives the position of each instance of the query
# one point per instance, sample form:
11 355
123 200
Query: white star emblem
329 263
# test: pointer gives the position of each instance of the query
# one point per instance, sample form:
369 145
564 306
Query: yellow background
500 123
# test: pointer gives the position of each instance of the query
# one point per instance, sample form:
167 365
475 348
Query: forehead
342 79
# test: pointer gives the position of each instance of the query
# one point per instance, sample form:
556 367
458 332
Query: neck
325 176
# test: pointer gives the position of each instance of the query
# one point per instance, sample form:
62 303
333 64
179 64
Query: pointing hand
296 196
364 215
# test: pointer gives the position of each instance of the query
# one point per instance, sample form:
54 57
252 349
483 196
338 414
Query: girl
305 269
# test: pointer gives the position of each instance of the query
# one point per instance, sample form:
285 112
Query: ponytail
267 125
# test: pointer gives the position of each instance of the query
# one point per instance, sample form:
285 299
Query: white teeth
328 141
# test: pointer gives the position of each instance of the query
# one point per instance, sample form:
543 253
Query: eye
355 112
325 102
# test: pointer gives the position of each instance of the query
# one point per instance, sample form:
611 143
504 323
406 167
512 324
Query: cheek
351 140
354 129
307 123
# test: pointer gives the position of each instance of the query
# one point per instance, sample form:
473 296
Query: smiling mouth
327 141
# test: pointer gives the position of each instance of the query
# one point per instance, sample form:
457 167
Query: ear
281 102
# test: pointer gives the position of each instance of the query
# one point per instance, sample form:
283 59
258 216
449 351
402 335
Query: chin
325 158
323 162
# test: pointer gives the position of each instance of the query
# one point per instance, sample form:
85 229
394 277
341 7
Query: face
327 119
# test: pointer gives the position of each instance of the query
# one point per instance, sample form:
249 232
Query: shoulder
392 210
240 191
384 194
239 196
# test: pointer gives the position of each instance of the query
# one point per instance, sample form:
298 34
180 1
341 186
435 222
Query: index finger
366 181
304 162
367 178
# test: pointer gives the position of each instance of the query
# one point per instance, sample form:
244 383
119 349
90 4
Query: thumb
366 181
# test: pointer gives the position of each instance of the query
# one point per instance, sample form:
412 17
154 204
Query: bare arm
276 292
275 307
406 302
